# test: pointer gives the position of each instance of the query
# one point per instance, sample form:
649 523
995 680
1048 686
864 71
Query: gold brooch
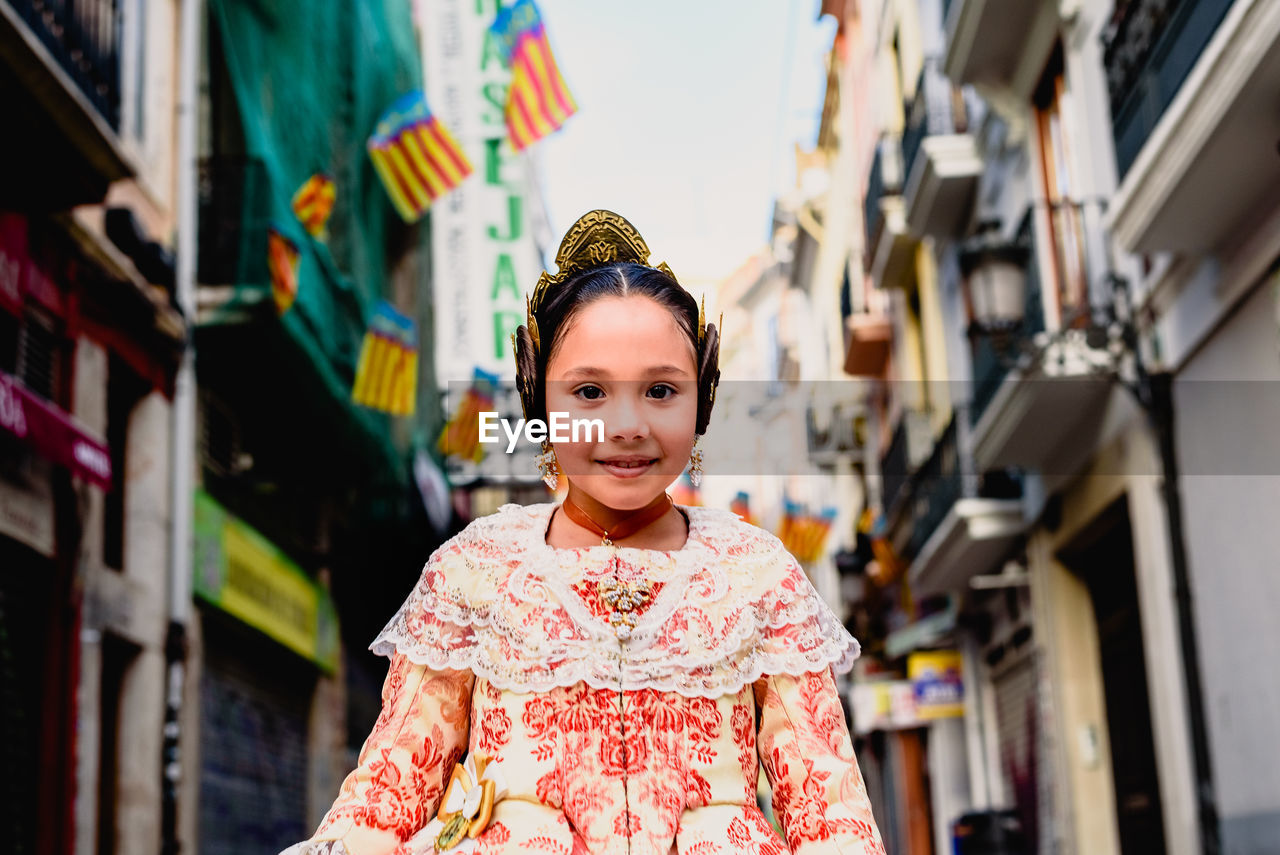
623 598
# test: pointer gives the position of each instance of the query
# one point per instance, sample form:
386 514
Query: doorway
1103 558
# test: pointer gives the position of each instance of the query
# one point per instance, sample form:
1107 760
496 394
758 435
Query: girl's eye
661 391
589 393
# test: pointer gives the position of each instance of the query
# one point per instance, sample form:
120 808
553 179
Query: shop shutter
253 751
1020 735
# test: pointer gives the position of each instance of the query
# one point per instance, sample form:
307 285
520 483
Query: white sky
687 114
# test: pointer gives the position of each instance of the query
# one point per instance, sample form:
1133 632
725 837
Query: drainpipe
1154 392
182 440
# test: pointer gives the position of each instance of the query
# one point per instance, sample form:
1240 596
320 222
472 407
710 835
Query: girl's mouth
628 467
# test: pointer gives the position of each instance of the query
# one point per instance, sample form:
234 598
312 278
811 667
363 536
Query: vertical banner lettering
484 257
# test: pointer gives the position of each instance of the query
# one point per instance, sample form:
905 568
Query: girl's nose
627 419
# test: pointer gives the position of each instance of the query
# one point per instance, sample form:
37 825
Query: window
1060 215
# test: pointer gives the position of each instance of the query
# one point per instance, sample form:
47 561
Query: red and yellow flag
282 265
387 373
461 435
804 534
416 157
313 203
538 101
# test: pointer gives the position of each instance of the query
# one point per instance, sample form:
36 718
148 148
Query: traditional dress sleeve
403 766
818 793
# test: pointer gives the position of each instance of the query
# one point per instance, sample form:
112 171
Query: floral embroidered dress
620 699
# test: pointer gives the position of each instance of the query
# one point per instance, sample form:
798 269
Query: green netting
310 80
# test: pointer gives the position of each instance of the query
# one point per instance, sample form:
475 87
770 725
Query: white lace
733 606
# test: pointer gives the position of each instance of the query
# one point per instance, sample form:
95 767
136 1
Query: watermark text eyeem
560 429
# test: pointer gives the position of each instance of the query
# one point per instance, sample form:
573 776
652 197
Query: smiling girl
608 674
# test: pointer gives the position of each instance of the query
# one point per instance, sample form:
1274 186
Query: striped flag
802 533
282 266
313 203
538 101
461 435
416 157
387 373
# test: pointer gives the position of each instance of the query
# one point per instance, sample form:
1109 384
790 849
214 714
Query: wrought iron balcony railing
937 109
84 37
884 180
895 466
948 476
1149 48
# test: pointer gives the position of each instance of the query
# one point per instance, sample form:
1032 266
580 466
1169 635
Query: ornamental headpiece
597 239
600 238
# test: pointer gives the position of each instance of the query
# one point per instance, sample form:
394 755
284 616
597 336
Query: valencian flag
538 101
416 157
387 373
282 265
313 203
802 533
461 435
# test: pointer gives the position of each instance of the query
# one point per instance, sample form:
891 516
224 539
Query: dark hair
559 307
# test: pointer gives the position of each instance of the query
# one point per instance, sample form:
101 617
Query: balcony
940 158
868 340
1193 94
60 77
831 431
890 247
999 44
962 525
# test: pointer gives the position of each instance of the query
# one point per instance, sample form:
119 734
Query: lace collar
727 607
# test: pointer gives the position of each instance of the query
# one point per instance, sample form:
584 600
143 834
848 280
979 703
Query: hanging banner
485 259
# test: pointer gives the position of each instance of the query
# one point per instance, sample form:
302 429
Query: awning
53 433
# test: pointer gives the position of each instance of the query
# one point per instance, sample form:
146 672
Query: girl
605 675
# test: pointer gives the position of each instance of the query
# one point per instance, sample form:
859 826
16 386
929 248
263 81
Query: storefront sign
244 574
884 705
485 256
26 502
21 277
937 681
53 433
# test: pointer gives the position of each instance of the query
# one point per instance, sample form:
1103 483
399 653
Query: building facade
1074 441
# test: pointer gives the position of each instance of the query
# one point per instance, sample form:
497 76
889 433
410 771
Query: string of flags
418 160
387 372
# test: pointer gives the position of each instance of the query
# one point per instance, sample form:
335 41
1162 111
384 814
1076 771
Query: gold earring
548 465
695 463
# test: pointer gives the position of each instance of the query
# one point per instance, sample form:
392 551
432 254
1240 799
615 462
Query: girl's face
625 361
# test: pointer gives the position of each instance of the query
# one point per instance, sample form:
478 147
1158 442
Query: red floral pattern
586 766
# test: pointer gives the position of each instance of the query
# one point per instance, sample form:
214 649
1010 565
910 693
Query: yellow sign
937 682
247 576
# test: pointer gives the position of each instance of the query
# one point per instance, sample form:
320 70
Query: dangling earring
547 466
695 463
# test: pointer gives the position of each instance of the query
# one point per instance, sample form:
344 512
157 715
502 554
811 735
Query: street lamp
995 281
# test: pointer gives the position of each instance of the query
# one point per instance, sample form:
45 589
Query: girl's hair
557 311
